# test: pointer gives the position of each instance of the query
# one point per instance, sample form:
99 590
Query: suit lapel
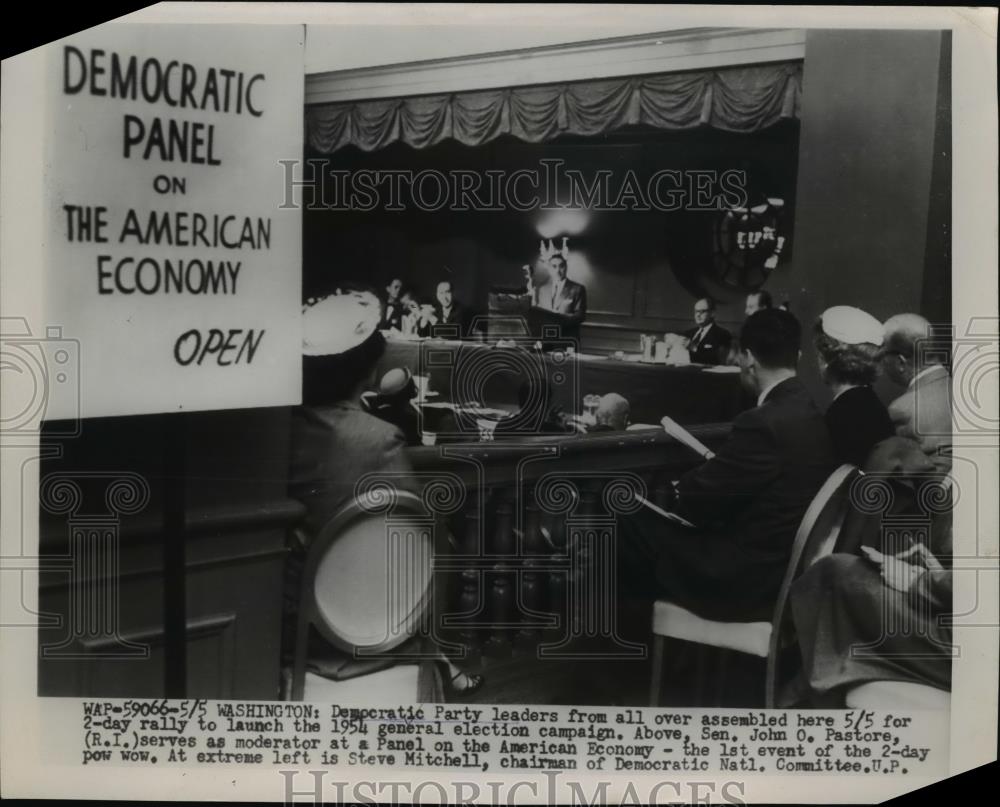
561 295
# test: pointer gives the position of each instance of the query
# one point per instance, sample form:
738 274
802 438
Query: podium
511 314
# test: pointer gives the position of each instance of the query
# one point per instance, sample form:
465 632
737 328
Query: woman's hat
851 325
336 324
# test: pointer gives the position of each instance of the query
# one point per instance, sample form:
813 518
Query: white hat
851 325
335 324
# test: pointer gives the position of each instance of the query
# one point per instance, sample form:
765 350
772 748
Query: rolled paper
682 435
663 513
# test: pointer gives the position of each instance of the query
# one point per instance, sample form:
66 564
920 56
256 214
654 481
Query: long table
471 371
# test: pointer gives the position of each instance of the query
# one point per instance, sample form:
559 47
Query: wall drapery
742 99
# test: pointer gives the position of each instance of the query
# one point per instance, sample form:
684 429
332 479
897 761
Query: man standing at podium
562 296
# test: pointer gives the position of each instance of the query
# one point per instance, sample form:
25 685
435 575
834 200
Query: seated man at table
745 502
708 343
450 314
392 306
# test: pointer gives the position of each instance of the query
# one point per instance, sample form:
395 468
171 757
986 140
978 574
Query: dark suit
571 301
747 503
713 346
392 314
857 420
457 318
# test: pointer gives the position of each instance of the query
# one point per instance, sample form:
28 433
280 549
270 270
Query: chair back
369 575
815 538
820 528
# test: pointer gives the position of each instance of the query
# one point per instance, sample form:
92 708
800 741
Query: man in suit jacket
563 296
922 413
708 343
747 501
450 314
392 307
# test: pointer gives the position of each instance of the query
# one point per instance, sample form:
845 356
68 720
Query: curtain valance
740 99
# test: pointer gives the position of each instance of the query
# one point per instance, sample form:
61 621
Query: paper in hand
664 513
682 435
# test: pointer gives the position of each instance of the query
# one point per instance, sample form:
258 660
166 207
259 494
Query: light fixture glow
554 223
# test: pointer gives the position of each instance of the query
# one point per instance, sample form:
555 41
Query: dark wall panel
869 109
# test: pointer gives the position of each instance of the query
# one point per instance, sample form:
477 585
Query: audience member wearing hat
335 442
848 343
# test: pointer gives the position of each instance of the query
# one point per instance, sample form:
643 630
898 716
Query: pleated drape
738 99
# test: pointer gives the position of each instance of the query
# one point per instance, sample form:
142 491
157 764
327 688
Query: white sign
170 266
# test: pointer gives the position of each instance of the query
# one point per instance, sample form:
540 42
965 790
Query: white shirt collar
767 389
925 371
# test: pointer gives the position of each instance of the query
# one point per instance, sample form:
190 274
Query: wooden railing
532 526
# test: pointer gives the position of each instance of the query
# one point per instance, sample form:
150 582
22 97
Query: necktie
697 339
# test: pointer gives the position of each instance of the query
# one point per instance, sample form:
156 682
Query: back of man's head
774 337
613 411
903 332
760 299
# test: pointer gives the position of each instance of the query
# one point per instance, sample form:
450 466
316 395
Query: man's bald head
903 333
613 410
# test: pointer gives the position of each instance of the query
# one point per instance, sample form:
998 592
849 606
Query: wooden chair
816 537
367 582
